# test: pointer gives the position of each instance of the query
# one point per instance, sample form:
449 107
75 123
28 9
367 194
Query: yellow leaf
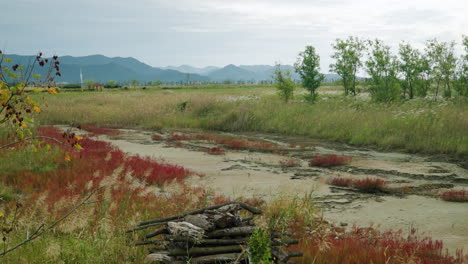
78 138
1 215
23 125
52 90
37 109
67 158
77 146
37 90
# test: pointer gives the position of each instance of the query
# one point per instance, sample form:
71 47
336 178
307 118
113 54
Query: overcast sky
220 32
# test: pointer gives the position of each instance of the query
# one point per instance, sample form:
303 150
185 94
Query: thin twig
32 138
41 230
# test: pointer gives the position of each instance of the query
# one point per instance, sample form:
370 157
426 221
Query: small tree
134 82
461 85
442 63
308 67
411 66
382 67
284 83
348 54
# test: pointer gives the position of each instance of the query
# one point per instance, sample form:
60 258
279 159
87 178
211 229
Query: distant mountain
189 69
102 69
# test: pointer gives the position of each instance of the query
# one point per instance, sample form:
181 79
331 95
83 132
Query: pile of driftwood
216 234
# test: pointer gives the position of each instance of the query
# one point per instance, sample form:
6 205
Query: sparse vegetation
367 185
455 196
330 160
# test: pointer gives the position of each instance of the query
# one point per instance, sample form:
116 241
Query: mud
259 174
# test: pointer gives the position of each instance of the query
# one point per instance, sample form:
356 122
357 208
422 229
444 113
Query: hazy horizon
219 33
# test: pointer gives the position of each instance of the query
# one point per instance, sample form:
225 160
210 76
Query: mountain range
100 68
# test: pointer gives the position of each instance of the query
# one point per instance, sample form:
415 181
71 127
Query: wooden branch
144 227
220 258
40 231
159 232
199 211
235 231
203 251
31 138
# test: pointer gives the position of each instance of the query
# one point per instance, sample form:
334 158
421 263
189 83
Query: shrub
329 160
455 196
215 151
260 247
368 185
344 182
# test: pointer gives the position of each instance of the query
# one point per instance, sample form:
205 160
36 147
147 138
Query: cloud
220 32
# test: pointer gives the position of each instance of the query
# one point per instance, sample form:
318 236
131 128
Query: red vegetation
177 137
215 151
343 182
329 160
156 137
455 196
290 163
367 245
99 131
88 168
368 185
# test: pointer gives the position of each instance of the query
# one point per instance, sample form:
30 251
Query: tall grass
416 126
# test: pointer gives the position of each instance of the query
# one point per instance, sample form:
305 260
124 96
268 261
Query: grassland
420 125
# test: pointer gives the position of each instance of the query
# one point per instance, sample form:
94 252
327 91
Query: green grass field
420 125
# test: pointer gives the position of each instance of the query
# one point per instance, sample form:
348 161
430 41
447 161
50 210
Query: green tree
442 63
382 67
348 54
284 83
134 82
308 67
89 84
411 66
461 85
112 84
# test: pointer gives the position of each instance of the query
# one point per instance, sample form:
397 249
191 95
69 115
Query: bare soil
259 174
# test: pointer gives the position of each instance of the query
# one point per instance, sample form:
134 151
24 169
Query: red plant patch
156 137
290 163
367 245
343 182
455 196
330 160
215 151
99 131
177 137
368 185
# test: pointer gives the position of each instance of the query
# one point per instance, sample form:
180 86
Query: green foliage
348 54
382 67
284 83
260 247
442 64
308 67
112 84
461 84
411 65
70 86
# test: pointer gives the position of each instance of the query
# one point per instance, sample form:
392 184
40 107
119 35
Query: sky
220 32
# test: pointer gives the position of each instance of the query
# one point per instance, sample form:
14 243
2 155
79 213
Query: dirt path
259 174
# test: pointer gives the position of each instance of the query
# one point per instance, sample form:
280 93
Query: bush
260 247
368 185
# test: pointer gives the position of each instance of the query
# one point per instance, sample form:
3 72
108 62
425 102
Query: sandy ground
247 174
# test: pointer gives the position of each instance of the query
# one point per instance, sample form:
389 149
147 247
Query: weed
215 151
455 196
368 185
329 160
156 137
99 131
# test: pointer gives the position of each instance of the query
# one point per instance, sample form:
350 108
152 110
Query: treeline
408 73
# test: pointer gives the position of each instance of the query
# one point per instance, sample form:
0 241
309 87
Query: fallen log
203 251
234 231
220 258
199 211
159 232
